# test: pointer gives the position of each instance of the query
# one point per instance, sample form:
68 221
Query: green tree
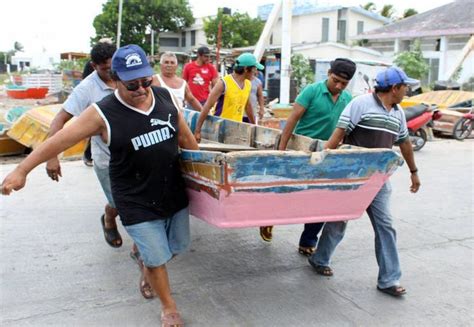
387 11
301 71
369 6
409 12
412 62
18 46
469 85
137 18
238 30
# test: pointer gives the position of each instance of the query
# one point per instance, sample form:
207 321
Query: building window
433 73
341 31
405 45
169 41
457 43
183 39
325 30
193 37
384 47
429 44
271 39
360 27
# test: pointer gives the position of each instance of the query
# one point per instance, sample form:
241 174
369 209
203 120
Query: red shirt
199 78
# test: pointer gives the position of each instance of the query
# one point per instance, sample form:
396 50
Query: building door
433 72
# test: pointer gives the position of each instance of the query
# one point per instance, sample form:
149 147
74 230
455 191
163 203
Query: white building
444 33
184 41
326 31
39 60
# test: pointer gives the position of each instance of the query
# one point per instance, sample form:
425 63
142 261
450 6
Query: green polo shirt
322 114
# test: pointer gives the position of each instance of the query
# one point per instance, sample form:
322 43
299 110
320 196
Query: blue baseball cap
393 76
130 62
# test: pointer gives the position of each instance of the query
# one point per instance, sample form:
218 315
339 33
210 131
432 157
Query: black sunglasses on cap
135 85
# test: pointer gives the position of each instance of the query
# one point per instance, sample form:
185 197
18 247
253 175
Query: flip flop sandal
393 290
146 289
266 233
112 236
321 270
306 251
171 320
324 270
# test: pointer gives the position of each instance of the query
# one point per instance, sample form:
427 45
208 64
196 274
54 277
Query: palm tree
409 12
387 11
369 6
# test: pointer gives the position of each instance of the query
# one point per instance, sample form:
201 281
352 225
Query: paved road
56 269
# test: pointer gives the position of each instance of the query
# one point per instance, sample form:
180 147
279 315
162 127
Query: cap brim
136 74
411 81
259 66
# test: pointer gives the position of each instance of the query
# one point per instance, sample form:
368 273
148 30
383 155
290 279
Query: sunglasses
135 85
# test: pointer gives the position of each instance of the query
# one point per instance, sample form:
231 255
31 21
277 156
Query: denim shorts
158 240
104 180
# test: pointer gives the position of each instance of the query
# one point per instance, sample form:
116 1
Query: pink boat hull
246 209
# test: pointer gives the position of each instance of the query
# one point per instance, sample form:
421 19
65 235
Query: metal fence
54 82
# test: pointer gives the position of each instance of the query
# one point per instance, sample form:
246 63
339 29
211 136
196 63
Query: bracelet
414 171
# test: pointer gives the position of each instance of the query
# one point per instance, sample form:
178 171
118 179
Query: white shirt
92 89
178 93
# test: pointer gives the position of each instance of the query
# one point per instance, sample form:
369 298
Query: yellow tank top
231 104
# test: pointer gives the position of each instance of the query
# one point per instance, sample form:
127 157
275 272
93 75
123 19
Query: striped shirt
368 124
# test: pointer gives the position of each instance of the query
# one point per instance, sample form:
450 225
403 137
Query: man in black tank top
143 128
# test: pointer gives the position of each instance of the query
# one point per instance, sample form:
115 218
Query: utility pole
225 11
285 53
152 42
119 25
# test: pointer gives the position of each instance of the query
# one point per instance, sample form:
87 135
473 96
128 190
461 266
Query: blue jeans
385 240
159 240
309 237
104 180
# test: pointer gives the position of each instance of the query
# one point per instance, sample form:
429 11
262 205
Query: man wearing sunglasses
93 88
374 121
201 75
143 128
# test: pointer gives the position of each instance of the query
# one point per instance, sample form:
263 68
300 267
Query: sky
55 26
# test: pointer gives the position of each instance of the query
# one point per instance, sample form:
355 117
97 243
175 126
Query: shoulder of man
187 66
107 99
313 89
347 95
87 83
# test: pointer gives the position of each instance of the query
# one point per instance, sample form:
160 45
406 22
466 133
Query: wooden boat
237 179
20 92
453 104
448 99
32 129
9 147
